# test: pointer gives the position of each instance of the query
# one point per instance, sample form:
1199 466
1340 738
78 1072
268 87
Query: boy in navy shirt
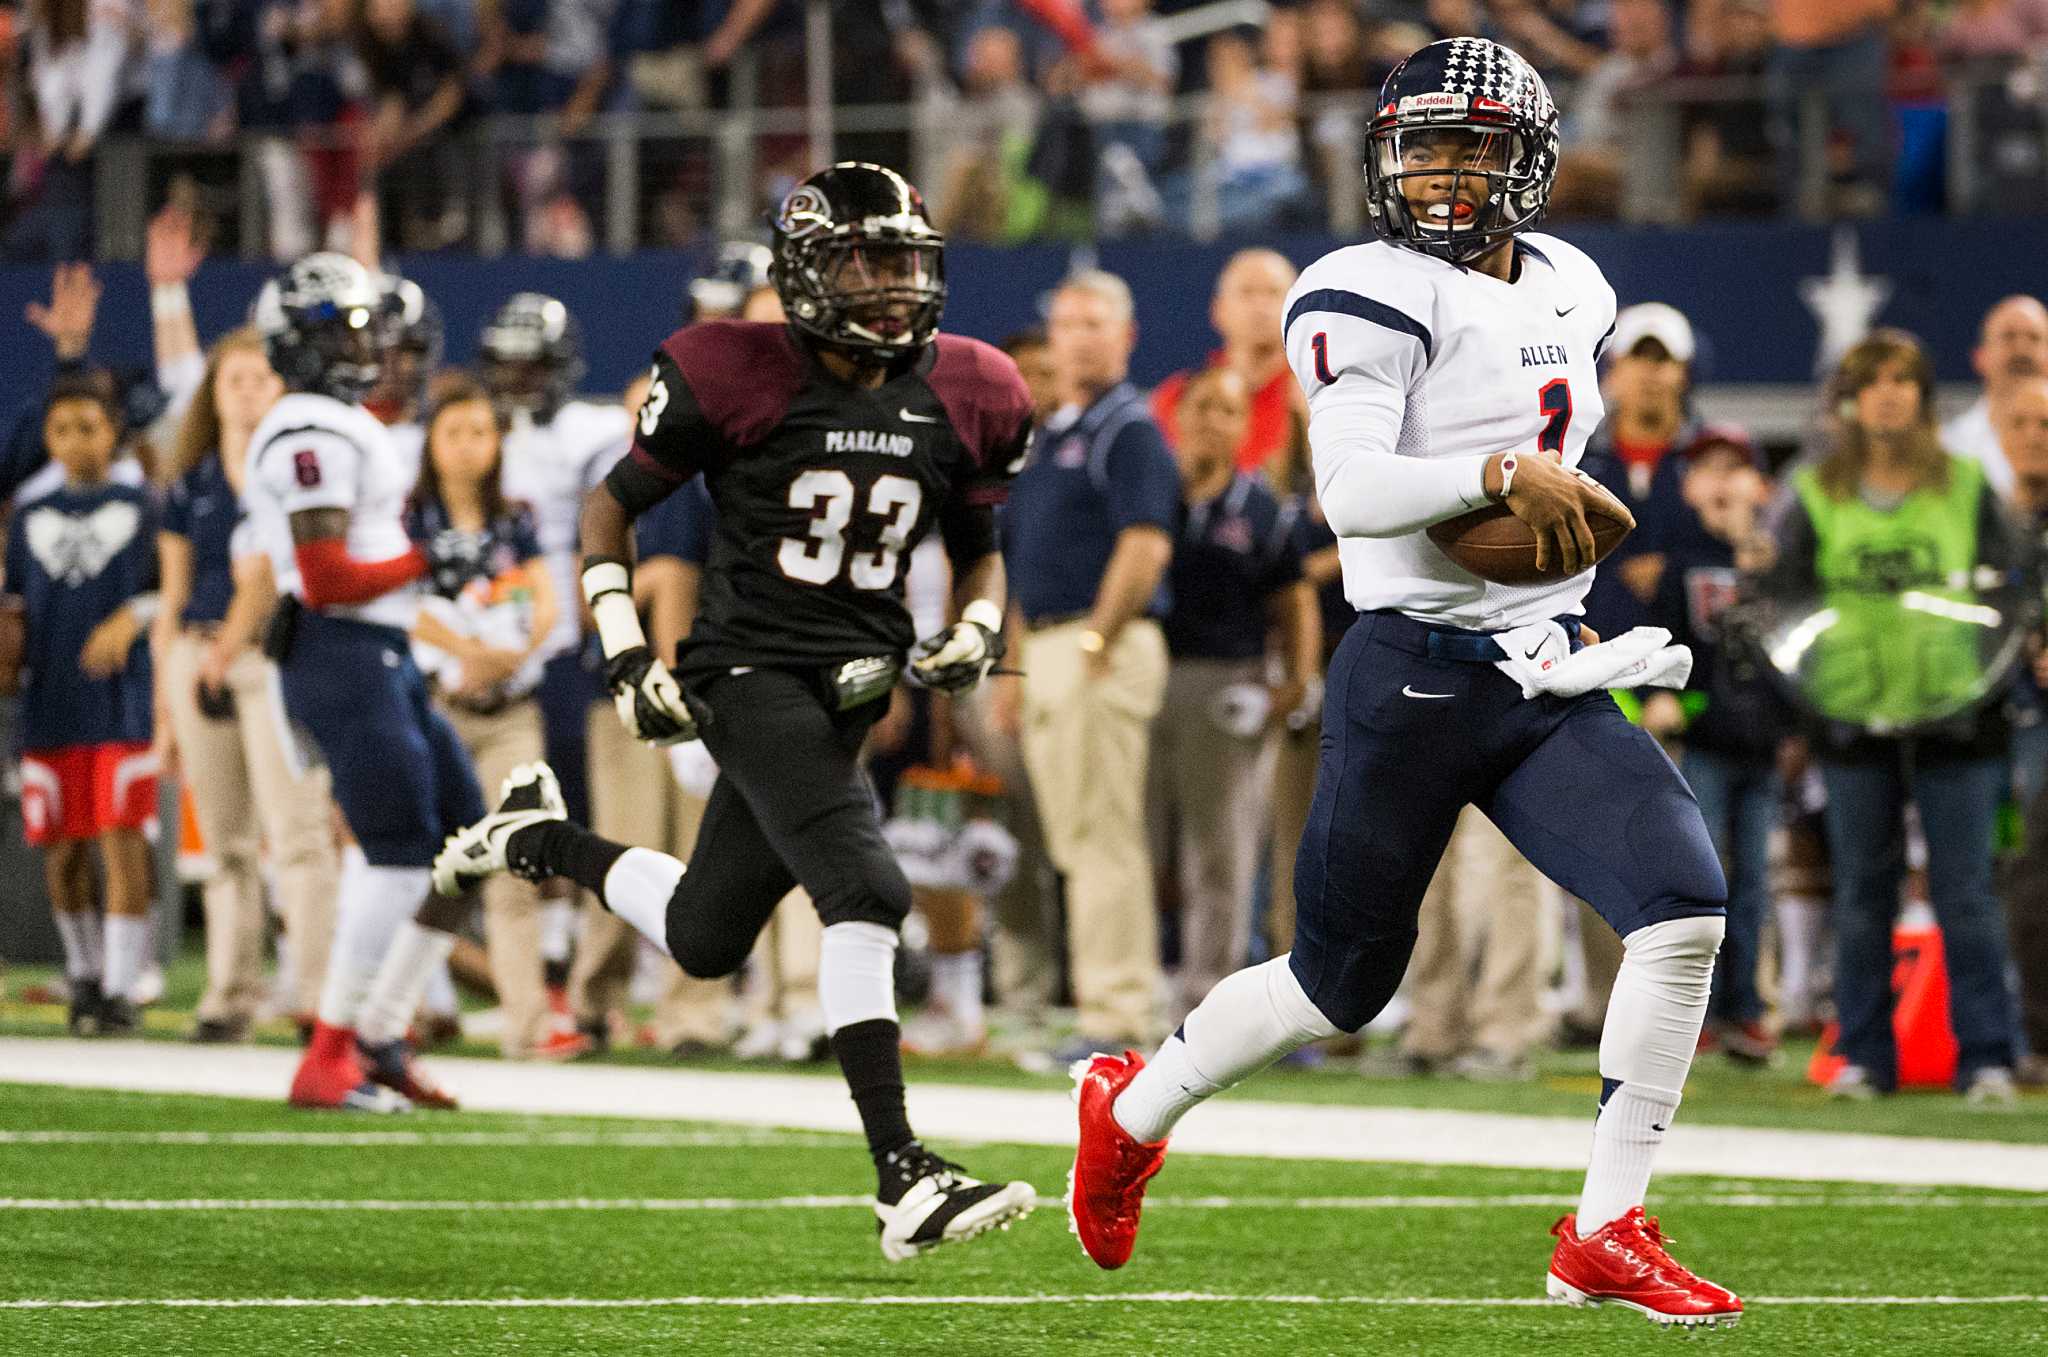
81 565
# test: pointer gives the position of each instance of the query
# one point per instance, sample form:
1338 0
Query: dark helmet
320 324
414 337
532 354
853 241
740 270
1473 86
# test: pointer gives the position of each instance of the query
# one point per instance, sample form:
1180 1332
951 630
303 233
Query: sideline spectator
1254 146
989 192
2011 347
219 713
1236 582
1640 54
2026 447
81 568
1728 141
78 52
1245 312
1088 535
1125 91
1729 718
1887 493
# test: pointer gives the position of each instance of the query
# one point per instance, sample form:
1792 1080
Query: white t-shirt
313 452
1970 435
552 466
1405 355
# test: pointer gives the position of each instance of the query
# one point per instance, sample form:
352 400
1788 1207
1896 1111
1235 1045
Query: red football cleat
563 1046
392 1065
331 1075
1624 1261
1106 1189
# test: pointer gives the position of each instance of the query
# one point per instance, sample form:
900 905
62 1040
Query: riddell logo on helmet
1435 99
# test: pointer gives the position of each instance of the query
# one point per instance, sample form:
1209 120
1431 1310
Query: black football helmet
532 355
858 264
414 338
321 324
1479 89
740 269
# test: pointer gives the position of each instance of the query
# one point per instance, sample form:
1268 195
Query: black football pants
792 806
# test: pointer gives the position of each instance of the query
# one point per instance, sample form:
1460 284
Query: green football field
225 1226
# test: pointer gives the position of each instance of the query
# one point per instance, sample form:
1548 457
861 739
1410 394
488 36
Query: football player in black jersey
831 445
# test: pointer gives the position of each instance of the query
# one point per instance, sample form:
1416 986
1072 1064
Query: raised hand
74 301
171 252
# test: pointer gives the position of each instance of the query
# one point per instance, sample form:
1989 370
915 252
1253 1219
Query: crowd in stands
1114 829
1053 117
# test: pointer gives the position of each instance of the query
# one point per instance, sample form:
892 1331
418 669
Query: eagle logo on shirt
74 548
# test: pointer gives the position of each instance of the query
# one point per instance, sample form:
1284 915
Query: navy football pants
402 779
1410 737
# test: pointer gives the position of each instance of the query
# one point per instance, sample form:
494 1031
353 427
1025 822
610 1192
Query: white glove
1540 659
1241 709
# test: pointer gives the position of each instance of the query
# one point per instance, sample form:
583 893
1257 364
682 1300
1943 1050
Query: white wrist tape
984 612
608 588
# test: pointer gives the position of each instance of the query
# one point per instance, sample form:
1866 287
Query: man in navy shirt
81 567
1236 580
1088 536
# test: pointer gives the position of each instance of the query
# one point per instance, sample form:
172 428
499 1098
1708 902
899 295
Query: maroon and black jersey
822 488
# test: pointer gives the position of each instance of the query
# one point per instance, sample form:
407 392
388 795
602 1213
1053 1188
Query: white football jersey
552 466
409 441
314 452
1415 357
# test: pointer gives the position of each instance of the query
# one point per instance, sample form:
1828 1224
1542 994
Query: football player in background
556 448
831 445
1450 365
325 495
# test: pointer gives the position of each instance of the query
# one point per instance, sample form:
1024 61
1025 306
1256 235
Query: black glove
957 658
650 701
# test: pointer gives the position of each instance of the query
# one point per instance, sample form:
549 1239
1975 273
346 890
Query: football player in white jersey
415 337
1449 365
325 496
556 450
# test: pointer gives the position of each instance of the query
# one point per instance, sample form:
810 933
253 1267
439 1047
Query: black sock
562 848
871 1057
555 973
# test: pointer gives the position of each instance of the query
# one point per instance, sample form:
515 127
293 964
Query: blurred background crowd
562 127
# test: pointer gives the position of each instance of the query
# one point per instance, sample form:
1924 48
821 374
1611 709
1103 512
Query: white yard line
1666 1200
622 1139
951 1114
918 1301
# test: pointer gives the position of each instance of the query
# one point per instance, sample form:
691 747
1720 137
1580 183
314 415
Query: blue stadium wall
1740 283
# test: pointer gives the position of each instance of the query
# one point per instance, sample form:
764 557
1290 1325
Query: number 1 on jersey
1555 400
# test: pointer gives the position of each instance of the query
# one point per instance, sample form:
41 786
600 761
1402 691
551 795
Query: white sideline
951 1113
629 1140
883 1302
1664 1200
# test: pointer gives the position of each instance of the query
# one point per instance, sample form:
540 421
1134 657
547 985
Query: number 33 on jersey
823 488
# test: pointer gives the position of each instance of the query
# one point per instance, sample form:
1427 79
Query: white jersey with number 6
1405 355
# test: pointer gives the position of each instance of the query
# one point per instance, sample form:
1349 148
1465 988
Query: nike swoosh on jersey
1407 691
909 418
1532 654
1566 311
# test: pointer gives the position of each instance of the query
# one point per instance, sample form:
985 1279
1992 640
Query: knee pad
1676 946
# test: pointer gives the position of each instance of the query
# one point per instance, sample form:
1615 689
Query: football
1495 545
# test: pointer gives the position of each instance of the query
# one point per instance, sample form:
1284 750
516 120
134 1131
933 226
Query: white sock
1249 1020
1646 1050
1801 919
371 905
80 932
857 974
440 993
956 983
415 954
638 888
127 953
558 927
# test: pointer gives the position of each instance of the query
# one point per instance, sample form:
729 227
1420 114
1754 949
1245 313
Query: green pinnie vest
1885 663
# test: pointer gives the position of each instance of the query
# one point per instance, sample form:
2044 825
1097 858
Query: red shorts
80 791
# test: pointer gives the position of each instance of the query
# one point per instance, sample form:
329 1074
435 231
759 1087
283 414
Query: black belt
1440 642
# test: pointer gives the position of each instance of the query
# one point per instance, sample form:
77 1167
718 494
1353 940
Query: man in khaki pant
1486 899
1087 540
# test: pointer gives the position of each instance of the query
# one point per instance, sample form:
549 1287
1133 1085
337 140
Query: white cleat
530 796
942 1205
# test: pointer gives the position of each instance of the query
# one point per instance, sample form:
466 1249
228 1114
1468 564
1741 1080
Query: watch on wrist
1509 464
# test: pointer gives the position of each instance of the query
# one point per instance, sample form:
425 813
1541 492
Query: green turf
1819 1244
